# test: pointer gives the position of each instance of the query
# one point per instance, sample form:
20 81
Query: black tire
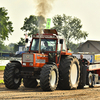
81 86
87 78
67 73
29 83
49 77
12 79
83 73
90 80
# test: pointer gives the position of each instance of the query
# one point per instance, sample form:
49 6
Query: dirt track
38 94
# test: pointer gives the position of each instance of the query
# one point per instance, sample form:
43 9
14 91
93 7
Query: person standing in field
83 71
83 61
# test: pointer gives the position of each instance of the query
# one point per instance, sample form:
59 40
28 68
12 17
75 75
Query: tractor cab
49 43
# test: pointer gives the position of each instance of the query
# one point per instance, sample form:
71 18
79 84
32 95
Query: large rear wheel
49 77
12 78
69 71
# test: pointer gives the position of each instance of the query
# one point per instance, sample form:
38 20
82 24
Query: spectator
83 61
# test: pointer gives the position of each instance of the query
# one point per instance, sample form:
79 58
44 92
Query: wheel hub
16 79
53 78
74 74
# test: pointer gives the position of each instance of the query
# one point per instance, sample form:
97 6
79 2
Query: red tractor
48 61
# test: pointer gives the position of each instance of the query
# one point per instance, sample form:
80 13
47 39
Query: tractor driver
83 62
47 48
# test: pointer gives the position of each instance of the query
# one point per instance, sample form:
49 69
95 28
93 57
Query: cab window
59 46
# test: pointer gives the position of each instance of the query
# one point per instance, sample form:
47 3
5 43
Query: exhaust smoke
43 8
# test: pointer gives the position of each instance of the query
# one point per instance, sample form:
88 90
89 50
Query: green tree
30 25
22 41
11 47
6 48
70 27
33 24
15 47
5 25
73 47
58 23
1 46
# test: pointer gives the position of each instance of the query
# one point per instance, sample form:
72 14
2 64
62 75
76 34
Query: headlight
24 64
31 64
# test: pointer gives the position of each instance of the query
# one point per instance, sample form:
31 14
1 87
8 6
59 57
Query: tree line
70 27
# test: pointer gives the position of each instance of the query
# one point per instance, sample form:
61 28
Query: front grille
27 57
30 72
27 68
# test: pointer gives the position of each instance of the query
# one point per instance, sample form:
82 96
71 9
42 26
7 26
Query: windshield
46 44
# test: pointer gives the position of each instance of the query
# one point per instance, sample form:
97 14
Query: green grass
1 81
2 67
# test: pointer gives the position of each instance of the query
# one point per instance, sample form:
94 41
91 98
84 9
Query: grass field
1 81
2 67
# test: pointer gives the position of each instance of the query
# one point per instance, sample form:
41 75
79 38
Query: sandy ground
1 75
38 94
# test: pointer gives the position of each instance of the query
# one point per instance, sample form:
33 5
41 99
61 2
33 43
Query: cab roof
50 31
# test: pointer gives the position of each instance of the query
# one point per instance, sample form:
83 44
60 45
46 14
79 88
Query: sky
88 11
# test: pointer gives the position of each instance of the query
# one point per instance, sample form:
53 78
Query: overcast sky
88 11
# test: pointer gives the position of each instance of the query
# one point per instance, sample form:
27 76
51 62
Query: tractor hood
34 59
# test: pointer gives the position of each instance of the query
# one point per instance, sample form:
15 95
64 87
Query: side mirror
61 41
26 41
67 48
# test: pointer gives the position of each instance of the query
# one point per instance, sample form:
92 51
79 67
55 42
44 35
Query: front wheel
49 77
12 78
